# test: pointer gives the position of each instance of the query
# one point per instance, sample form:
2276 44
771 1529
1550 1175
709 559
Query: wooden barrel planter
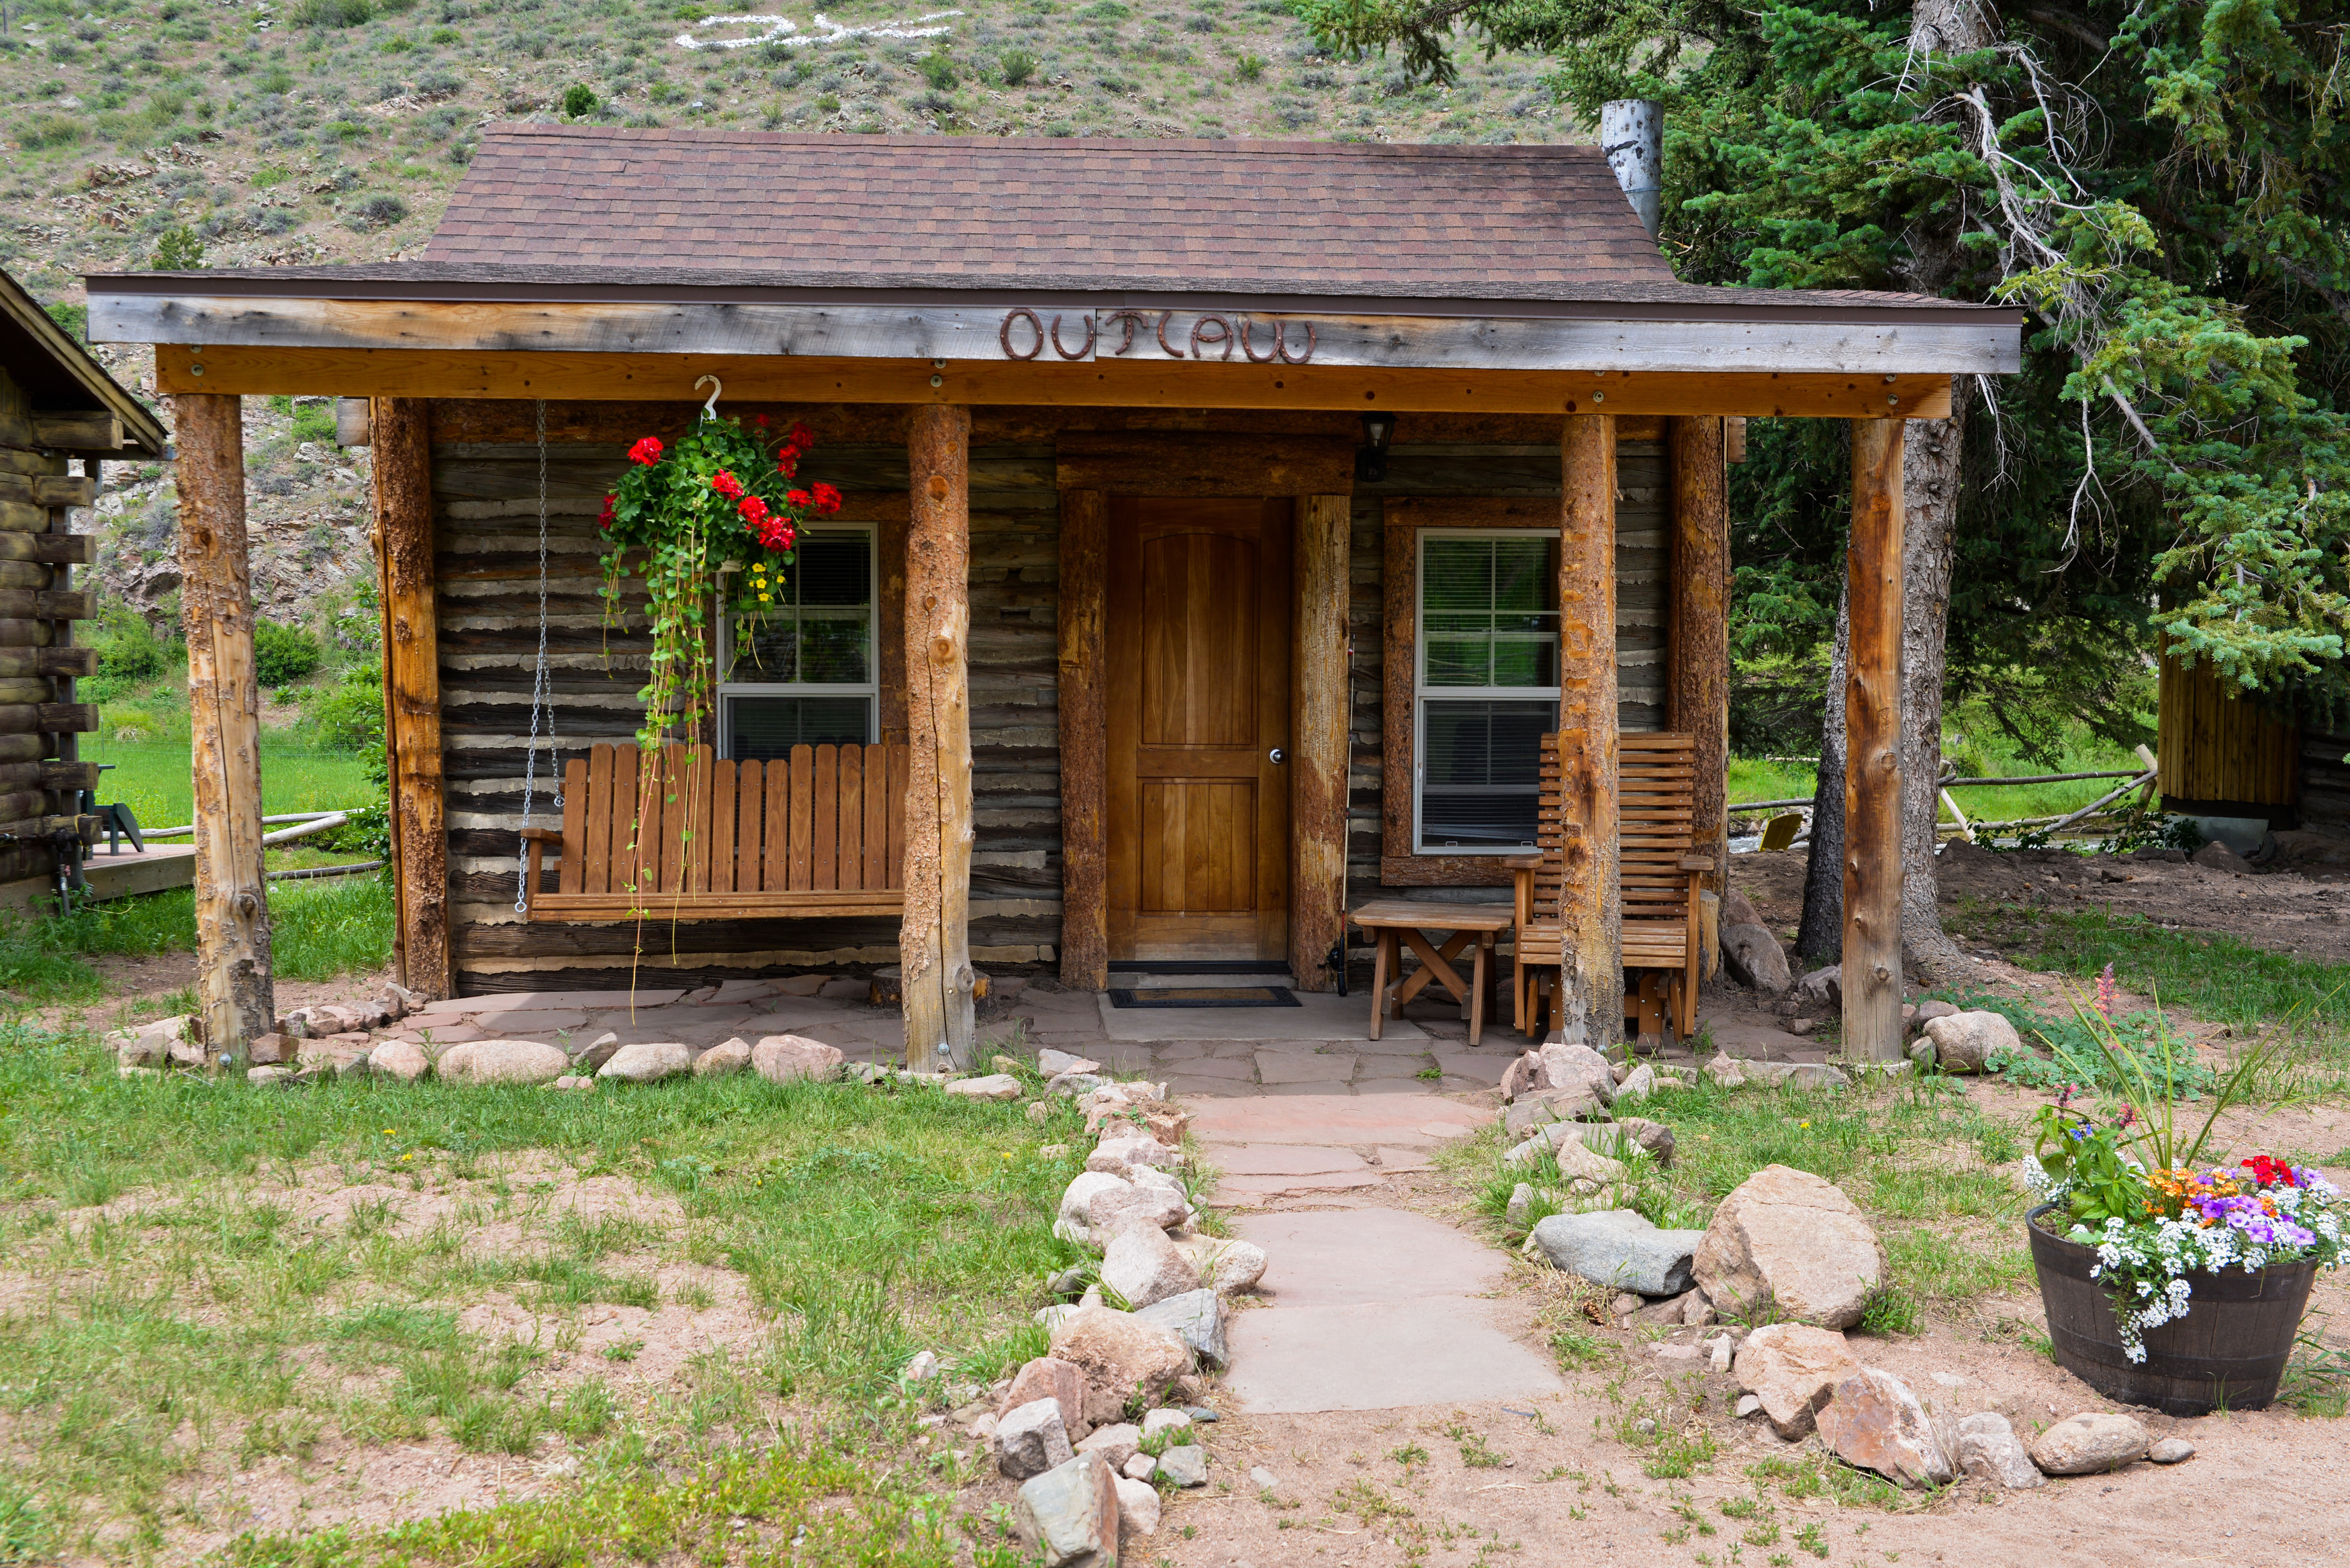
2228 1350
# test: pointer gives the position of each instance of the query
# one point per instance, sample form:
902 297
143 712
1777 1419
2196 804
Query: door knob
1278 755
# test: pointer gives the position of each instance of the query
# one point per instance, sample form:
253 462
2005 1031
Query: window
1486 687
809 677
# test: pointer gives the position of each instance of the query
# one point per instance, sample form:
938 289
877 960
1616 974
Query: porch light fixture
1371 457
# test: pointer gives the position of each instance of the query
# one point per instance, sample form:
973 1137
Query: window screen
808 675
1488 643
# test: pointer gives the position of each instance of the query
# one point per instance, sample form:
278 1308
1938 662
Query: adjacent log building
57 404
1301 487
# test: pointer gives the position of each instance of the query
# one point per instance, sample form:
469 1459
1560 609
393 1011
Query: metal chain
539 703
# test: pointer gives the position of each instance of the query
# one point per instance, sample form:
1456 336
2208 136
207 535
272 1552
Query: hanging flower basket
710 524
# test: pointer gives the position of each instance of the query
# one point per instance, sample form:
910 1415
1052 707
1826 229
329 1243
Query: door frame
1317 472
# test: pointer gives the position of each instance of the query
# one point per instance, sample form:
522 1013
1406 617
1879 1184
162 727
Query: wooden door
1197 623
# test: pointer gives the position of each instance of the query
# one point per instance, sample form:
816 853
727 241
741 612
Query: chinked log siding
485 490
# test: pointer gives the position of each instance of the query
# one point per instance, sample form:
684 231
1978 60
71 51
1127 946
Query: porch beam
1871 960
1116 383
236 996
1318 763
1591 987
401 438
934 937
1697 700
1085 741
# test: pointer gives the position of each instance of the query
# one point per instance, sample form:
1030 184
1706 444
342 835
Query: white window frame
869 689
1420 690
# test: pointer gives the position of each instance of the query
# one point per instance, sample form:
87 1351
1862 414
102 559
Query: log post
1871 960
236 999
1698 700
934 939
402 442
1317 762
1084 741
1591 986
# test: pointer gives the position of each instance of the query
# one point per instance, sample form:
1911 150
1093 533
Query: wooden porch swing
679 835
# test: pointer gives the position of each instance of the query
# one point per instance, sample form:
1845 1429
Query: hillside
252 132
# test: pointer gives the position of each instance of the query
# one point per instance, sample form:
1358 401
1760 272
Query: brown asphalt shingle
1290 216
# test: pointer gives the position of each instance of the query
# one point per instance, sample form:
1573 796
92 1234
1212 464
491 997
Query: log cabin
56 405
1225 523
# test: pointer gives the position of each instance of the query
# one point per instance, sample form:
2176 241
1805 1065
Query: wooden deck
119 876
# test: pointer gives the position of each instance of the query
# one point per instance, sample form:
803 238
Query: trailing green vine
711 524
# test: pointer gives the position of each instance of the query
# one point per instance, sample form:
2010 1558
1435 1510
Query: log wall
484 476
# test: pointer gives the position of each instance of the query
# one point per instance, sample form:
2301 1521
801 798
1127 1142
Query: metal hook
710 408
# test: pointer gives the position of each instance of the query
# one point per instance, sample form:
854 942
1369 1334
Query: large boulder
1793 1369
1754 958
1070 1514
1142 1265
1989 1450
1788 1238
1963 1042
781 1058
1031 1439
502 1062
1121 1354
1197 1318
1874 1421
2089 1444
1619 1248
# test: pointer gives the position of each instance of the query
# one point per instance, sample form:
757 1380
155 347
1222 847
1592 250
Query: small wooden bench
678 835
1659 877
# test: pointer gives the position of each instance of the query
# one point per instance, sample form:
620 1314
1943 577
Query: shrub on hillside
1017 66
578 99
336 13
178 249
36 131
283 654
349 715
375 213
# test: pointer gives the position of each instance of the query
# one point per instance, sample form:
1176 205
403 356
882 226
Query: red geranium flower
799 499
827 499
726 484
646 451
761 420
787 461
800 438
753 510
605 521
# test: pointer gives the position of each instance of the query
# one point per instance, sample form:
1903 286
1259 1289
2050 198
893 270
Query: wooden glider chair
1659 877
677 835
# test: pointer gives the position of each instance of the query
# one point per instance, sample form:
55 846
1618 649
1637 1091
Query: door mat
1206 996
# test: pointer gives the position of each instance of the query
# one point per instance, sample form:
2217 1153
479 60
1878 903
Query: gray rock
399 1059
1619 1247
1031 1439
1110 1212
502 1062
2089 1443
1963 1042
1197 1318
1654 1136
723 1059
1185 1464
994 1086
1989 1448
647 1062
2172 1451
1637 1085
1141 1467
1572 1066
784 1058
1934 1008
1070 1514
1052 1064
1262 1479
1754 958
595 1052
1137 1505
1165 1419
269 1074
1788 1236
1234 1266
1145 1267
1521 1202
1820 988
1544 1106
1873 1420
1113 1445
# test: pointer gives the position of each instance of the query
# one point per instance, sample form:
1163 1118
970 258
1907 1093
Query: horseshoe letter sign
1025 335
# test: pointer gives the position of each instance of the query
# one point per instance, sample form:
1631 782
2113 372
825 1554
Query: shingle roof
1221 216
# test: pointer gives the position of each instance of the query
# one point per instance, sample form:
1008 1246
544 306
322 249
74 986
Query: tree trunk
1931 473
1821 935
1591 968
1870 961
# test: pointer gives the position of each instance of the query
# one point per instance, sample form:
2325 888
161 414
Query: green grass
318 930
2214 976
212 1321
153 778
1978 753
